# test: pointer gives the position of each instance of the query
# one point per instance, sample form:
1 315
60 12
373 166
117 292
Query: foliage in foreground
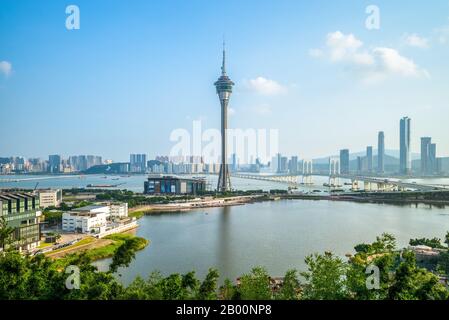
327 277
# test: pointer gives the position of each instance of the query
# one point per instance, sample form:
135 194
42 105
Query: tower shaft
224 180
224 90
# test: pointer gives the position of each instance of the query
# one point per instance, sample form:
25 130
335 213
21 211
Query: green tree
208 288
433 243
172 288
446 238
290 287
190 283
124 254
363 248
413 283
228 291
385 243
325 278
255 285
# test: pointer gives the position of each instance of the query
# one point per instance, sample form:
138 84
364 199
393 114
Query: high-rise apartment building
344 161
54 163
138 163
369 159
405 161
429 165
381 152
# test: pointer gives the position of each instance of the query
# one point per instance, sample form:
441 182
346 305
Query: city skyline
96 96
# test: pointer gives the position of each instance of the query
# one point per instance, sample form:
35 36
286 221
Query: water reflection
224 256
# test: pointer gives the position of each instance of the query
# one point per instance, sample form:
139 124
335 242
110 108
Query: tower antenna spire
223 66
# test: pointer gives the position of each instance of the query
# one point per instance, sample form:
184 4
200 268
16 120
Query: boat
101 186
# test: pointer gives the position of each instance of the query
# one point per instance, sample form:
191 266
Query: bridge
369 183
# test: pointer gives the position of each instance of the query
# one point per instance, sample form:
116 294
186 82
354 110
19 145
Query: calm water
133 182
277 235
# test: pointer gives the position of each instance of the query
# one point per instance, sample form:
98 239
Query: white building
96 209
94 218
118 210
50 198
84 222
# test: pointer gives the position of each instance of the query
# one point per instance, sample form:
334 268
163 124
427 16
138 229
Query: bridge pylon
334 173
307 172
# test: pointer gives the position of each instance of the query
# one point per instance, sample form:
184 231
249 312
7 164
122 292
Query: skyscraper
369 159
405 161
138 163
359 164
284 164
224 90
293 167
429 165
433 162
54 163
344 161
381 152
425 153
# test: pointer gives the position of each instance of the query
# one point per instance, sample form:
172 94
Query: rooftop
90 208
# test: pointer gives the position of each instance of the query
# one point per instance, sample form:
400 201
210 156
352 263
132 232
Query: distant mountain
113 168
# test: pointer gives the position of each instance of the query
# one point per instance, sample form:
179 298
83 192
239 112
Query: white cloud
265 86
414 40
342 46
5 68
374 64
391 61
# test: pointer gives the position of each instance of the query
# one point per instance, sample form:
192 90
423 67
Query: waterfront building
171 184
95 219
284 165
433 162
344 161
425 155
381 152
84 221
429 164
54 163
118 210
50 197
369 159
405 161
21 212
275 164
359 164
138 163
293 165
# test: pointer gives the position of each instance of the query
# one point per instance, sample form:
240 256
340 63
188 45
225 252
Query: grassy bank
103 252
136 214
109 250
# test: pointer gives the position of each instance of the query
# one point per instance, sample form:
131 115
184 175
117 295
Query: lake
277 235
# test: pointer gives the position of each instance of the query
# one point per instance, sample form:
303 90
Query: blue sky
136 70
